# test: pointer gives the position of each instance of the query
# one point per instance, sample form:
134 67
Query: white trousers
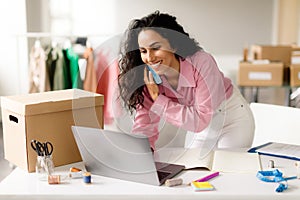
232 126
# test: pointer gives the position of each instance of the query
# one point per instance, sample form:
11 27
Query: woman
194 94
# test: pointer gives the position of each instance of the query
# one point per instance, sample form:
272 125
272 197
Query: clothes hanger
37 43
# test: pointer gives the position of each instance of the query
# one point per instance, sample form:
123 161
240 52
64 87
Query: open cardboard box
47 116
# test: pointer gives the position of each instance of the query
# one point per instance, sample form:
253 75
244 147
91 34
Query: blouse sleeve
146 123
208 93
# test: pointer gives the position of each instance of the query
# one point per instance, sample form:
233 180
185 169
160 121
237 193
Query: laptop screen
117 154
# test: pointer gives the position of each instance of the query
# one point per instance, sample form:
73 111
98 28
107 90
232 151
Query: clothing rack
48 34
24 40
22 46
39 35
93 40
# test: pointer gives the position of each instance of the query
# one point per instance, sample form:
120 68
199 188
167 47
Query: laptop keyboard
162 175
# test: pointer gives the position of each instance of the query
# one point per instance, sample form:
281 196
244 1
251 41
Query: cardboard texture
260 74
276 53
47 116
295 75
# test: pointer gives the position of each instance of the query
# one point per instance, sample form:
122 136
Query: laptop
122 156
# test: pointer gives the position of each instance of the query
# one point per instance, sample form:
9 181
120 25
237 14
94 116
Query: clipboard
281 150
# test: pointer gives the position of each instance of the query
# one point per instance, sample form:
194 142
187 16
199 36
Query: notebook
120 155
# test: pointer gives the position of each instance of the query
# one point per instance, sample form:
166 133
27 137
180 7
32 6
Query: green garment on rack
60 81
58 69
50 65
74 69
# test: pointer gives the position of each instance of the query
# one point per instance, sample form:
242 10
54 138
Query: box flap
52 101
275 53
270 65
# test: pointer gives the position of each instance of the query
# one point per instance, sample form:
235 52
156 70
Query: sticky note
202 186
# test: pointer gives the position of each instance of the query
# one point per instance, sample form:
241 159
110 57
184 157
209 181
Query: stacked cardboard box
295 75
260 74
295 67
276 53
288 55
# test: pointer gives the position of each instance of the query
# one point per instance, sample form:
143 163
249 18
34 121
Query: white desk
22 185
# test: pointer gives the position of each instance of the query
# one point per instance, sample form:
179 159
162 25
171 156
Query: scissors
48 148
42 149
37 147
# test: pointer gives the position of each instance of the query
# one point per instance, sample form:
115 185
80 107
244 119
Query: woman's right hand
150 84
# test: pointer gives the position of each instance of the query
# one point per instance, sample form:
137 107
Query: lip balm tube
173 182
271 164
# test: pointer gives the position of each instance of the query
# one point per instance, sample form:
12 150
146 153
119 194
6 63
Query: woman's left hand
151 85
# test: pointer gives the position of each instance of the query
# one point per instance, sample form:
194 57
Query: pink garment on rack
107 75
90 81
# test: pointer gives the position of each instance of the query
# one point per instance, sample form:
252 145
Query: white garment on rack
38 77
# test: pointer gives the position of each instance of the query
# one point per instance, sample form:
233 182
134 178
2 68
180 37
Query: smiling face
157 52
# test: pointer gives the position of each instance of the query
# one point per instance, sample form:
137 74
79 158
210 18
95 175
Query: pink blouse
202 87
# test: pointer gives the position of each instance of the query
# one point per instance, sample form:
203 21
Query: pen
208 177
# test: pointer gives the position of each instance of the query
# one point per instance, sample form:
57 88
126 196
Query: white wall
13 22
222 27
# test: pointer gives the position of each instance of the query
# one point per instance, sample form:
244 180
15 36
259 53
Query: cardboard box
260 74
295 75
47 116
276 53
295 56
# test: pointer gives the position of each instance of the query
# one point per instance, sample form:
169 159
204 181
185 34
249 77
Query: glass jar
44 167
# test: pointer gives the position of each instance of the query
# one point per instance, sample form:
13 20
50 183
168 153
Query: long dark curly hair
130 80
